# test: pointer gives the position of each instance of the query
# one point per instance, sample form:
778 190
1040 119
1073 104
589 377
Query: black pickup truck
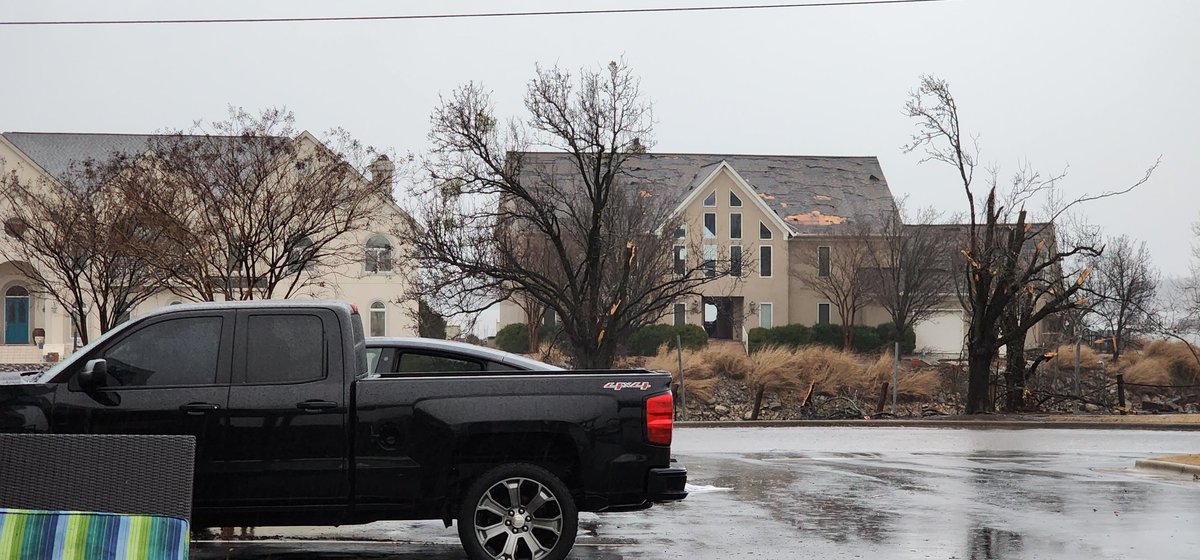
299 423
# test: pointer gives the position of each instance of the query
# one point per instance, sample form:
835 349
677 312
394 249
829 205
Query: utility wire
470 15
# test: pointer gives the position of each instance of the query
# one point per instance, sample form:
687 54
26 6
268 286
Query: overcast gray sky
1103 87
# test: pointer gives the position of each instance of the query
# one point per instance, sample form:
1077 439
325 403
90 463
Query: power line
470 15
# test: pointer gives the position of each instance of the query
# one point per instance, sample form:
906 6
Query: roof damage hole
816 218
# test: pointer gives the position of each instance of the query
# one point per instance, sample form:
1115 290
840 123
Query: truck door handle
199 407
316 406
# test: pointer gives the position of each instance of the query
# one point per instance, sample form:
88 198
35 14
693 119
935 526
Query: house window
735 225
764 261
735 261
711 199
822 313
379 254
710 260
764 232
766 315
710 225
680 260
378 319
734 200
549 319
300 255
823 262
681 233
680 312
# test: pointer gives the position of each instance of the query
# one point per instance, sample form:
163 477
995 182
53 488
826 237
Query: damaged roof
813 195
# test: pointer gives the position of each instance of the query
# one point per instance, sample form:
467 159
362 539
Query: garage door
941 333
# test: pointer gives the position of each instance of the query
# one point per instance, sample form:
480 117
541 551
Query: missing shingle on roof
822 197
645 193
873 177
816 218
766 196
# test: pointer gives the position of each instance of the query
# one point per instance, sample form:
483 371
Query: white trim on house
741 226
771 305
746 188
771 249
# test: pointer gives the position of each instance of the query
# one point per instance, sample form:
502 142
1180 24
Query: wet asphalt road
830 493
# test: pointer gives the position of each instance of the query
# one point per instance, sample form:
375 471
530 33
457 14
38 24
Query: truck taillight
660 414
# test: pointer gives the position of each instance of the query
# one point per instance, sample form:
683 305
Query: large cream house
786 217
375 282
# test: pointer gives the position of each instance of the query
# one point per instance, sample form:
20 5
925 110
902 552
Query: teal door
16 316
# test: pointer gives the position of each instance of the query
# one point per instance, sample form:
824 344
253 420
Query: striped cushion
71 535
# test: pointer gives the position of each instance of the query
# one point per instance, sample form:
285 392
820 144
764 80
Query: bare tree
245 208
608 240
910 271
82 241
1124 288
838 274
1005 254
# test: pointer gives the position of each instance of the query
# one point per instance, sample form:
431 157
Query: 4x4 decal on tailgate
618 385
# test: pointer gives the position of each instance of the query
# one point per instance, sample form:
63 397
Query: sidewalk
1178 464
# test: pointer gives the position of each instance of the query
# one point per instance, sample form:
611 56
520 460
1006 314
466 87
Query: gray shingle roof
57 152
812 194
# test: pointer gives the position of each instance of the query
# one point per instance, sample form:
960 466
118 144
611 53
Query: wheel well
554 452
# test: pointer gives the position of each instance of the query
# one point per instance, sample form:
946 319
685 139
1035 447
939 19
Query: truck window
284 349
373 359
419 362
172 352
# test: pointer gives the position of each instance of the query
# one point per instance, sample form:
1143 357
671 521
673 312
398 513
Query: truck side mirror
93 375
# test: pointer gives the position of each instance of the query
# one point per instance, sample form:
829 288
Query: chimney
382 171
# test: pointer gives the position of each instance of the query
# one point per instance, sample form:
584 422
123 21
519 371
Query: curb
1168 466
941 424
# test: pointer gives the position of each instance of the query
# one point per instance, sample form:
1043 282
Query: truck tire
517 511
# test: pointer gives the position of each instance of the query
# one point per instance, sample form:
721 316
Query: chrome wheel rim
518 519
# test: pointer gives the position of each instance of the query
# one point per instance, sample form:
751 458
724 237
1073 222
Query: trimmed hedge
887 335
647 340
866 339
515 337
790 336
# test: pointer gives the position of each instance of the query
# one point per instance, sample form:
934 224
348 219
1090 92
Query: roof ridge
543 152
43 133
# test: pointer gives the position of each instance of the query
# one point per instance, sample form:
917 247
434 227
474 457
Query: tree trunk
979 370
847 338
1015 377
758 397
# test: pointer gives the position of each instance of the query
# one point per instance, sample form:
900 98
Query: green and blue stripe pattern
71 535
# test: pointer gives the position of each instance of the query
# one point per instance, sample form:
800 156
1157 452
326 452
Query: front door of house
16 316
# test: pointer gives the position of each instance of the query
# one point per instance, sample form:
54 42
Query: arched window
379 254
378 319
301 255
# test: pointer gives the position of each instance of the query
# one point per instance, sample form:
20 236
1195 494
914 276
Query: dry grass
773 368
1064 358
831 371
1162 363
727 361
